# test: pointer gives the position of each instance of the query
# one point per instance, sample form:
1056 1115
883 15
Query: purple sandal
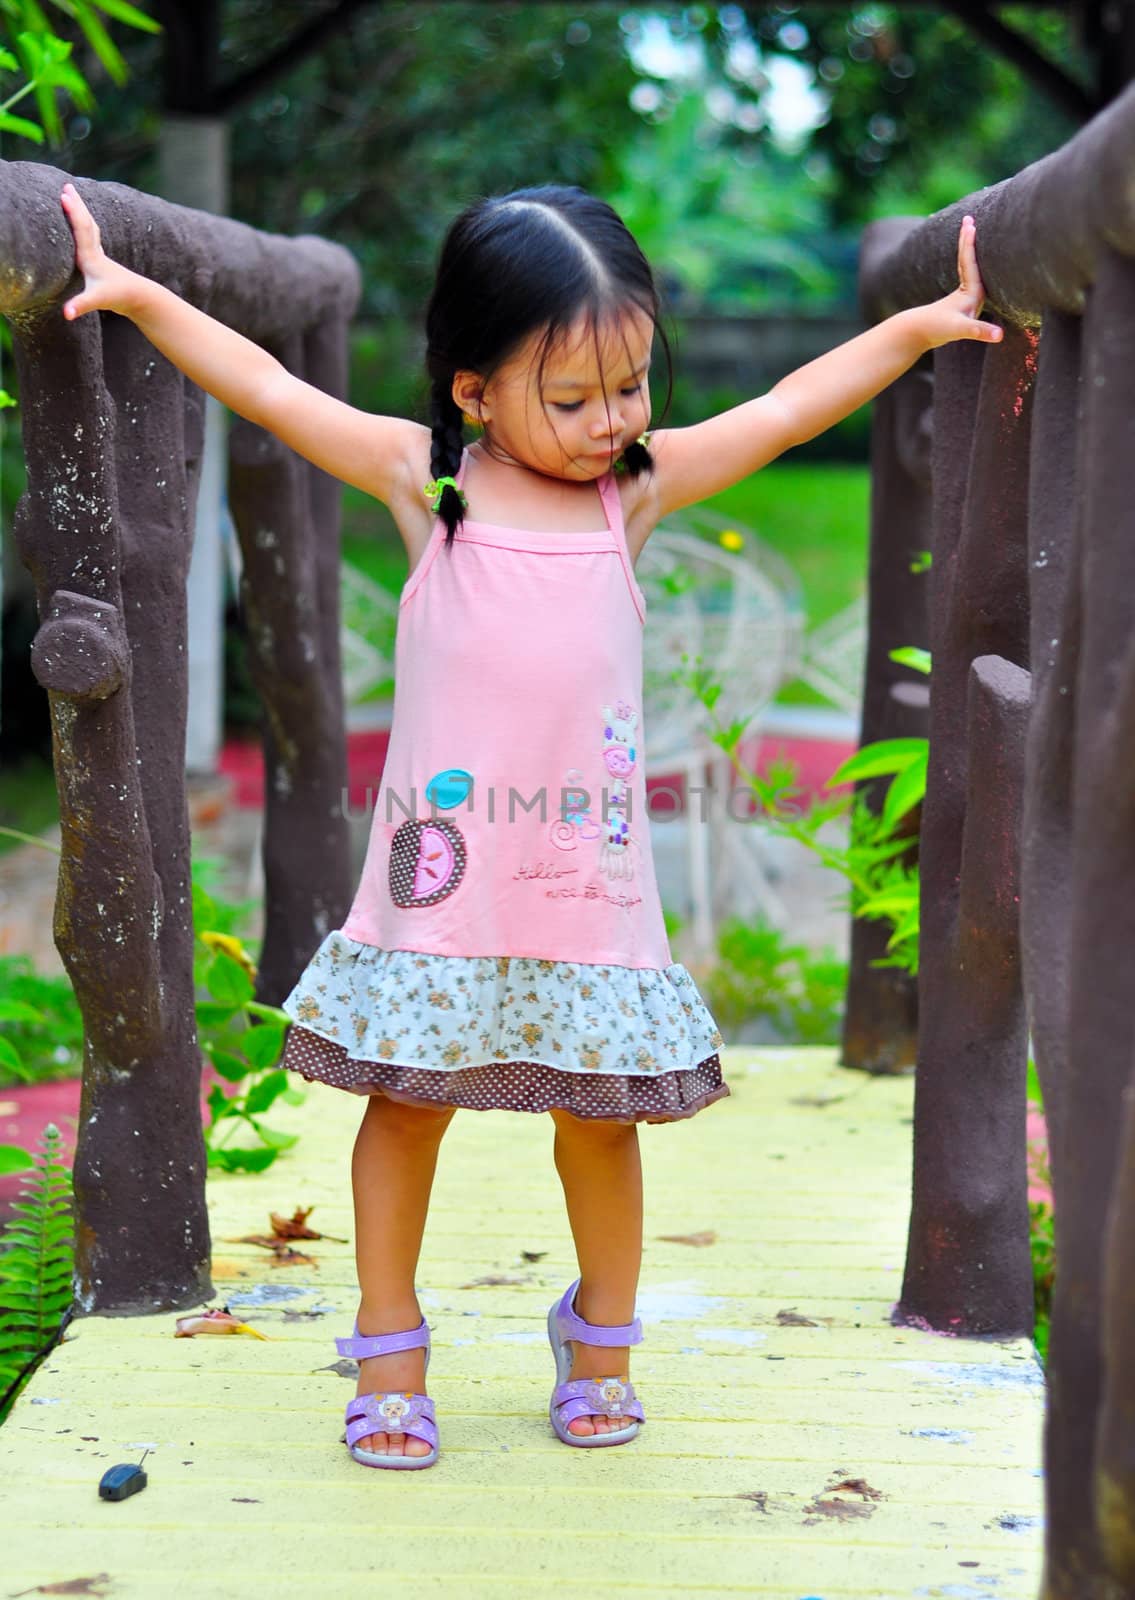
389 1413
581 1397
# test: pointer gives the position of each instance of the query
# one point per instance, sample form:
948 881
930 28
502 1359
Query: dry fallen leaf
71 1586
707 1236
214 1321
295 1226
284 1256
840 1510
857 1486
793 1319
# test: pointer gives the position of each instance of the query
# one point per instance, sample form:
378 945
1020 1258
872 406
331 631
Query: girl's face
573 419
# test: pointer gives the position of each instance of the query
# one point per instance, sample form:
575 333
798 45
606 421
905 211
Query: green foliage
43 58
816 518
378 137
36 1268
737 237
241 1037
921 110
759 976
41 1029
751 980
882 885
1042 1249
1042 1241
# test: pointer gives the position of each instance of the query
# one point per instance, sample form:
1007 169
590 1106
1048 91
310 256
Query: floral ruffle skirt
513 1033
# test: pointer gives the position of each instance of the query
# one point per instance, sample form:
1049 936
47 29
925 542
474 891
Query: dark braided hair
512 265
445 450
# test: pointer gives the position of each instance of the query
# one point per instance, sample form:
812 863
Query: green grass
813 514
371 541
29 802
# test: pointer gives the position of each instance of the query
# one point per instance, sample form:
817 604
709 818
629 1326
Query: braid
446 445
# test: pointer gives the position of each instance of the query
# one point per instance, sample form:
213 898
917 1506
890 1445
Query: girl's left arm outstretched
696 462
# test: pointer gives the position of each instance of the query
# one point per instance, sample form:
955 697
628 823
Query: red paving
26 1109
243 761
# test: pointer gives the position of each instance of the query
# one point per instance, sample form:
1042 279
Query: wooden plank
754 1418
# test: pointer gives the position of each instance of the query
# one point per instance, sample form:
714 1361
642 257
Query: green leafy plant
36 1263
1042 1241
1042 1248
242 1038
877 860
758 975
43 59
41 1029
884 885
881 884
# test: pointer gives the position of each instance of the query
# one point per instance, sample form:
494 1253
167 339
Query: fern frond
37 1257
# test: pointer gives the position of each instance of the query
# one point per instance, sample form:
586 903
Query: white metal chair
834 656
738 615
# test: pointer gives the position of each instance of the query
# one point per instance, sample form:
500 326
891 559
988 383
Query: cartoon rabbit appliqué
615 857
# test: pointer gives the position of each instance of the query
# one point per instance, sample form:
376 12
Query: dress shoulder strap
608 486
612 506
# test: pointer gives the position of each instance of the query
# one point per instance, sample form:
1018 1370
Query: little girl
506 946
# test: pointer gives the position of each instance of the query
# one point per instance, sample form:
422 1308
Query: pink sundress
506 947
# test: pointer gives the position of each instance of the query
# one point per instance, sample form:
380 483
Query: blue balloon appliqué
449 788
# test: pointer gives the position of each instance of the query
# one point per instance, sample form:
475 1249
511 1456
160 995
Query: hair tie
434 490
644 440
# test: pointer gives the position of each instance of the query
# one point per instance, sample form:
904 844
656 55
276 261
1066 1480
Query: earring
471 422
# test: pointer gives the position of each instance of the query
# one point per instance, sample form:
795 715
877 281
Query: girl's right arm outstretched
373 453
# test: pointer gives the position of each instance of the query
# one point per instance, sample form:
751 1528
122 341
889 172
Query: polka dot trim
425 856
510 1085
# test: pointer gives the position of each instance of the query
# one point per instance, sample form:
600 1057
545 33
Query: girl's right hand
106 284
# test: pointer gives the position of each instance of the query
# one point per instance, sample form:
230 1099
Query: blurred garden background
746 146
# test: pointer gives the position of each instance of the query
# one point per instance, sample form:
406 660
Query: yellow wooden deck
770 1374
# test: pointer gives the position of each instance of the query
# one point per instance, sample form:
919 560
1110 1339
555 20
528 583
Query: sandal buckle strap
363 1346
572 1326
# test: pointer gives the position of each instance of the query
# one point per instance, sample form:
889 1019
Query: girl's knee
593 1127
410 1118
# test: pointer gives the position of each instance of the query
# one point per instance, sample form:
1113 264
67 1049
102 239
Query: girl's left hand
955 316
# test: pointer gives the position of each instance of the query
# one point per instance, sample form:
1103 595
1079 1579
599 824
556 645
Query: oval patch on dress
449 788
427 862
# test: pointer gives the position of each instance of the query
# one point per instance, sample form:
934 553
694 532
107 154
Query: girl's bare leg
601 1171
392 1172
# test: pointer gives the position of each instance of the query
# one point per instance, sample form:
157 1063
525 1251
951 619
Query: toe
397 1442
417 1447
582 1426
